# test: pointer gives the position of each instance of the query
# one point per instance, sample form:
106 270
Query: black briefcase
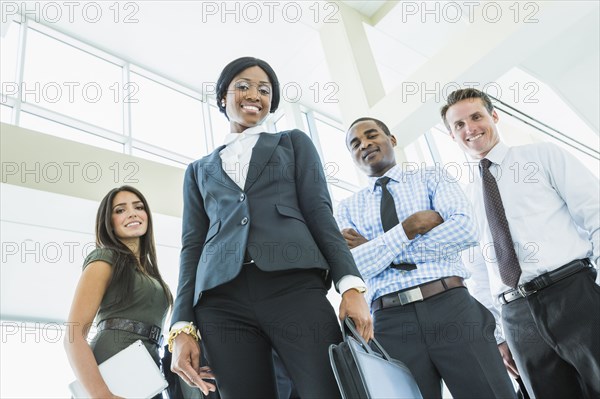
367 371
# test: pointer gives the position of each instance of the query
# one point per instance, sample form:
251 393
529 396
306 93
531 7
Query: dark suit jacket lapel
261 153
213 170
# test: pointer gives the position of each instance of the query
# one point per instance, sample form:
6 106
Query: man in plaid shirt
406 230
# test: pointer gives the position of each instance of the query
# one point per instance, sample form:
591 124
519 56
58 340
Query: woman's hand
186 363
354 306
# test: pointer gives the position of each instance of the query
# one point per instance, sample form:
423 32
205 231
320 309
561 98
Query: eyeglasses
244 86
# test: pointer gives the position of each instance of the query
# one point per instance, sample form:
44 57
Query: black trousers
449 336
554 336
243 320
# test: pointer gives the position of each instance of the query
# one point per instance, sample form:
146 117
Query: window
8 57
22 342
306 124
39 124
5 114
157 158
337 162
526 104
166 118
64 79
418 153
338 194
281 123
220 126
453 160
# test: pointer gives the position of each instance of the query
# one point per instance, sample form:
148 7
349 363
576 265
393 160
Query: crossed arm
418 223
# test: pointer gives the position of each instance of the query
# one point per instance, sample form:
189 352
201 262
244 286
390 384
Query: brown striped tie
508 263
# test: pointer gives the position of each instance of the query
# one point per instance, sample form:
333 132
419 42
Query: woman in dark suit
260 250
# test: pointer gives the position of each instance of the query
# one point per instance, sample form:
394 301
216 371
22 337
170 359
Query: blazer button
244 221
242 197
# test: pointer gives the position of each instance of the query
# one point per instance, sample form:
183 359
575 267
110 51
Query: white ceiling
190 41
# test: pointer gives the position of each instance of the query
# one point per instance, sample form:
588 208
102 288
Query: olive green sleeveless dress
148 304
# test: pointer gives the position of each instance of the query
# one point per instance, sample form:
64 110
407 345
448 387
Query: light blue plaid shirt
436 253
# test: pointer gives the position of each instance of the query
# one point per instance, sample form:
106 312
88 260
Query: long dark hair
125 260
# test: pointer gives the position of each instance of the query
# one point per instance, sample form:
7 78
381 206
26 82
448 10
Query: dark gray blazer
283 217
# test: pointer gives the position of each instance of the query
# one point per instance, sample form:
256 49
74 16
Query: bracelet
189 330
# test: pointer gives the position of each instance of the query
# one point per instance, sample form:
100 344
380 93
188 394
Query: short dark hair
379 123
234 68
464 94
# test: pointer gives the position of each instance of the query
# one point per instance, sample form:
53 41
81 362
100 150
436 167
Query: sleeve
479 286
377 254
316 208
194 228
455 234
104 254
579 188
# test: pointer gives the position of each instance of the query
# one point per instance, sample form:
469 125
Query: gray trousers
554 336
449 336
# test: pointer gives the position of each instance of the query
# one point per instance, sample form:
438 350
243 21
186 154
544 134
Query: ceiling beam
382 12
49 163
351 62
480 54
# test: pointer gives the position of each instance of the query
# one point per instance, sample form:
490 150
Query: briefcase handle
349 330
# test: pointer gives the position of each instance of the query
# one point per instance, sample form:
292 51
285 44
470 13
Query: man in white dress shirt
539 222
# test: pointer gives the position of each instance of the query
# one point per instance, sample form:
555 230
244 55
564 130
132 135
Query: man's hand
354 306
353 238
509 362
186 363
421 222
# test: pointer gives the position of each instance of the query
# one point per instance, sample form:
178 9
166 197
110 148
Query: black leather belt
543 281
152 332
415 294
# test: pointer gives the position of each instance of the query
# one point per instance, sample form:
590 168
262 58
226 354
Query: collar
231 137
498 153
394 174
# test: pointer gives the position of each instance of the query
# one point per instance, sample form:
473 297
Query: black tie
389 217
508 263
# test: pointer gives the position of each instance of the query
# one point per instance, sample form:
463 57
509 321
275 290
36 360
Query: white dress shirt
235 157
552 206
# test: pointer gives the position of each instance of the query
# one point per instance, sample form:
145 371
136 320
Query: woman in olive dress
120 290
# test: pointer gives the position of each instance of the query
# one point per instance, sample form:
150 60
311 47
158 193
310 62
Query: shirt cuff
499 334
179 325
396 240
348 282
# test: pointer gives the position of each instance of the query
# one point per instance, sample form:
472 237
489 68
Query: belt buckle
502 298
410 296
524 293
154 334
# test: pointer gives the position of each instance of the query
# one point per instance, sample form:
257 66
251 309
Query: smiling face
248 99
472 127
372 150
129 218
